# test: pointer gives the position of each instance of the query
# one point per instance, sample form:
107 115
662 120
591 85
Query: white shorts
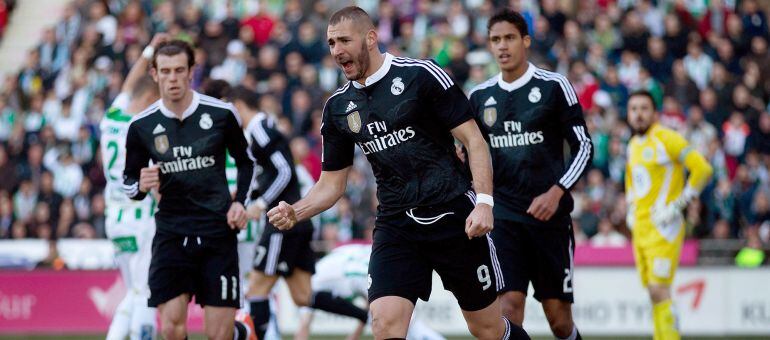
339 284
132 239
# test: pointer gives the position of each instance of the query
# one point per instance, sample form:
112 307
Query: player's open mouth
505 57
347 66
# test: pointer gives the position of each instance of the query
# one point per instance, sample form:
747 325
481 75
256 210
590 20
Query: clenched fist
282 216
149 178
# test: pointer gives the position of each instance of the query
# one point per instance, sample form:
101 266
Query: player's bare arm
480 221
329 188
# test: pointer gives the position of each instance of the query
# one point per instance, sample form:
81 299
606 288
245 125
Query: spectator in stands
753 18
24 201
697 64
68 174
699 132
681 87
759 139
6 215
9 179
40 224
657 59
66 219
607 236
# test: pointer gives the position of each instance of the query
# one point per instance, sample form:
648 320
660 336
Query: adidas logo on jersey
351 106
158 129
491 101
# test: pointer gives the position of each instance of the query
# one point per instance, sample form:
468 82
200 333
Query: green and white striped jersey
114 128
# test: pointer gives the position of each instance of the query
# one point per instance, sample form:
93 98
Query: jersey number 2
112 146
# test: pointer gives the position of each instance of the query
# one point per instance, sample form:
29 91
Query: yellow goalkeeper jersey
655 172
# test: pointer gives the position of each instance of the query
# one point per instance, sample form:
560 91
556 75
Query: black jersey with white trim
401 120
190 153
270 148
526 123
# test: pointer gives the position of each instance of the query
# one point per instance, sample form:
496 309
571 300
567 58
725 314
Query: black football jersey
401 120
526 124
270 148
190 153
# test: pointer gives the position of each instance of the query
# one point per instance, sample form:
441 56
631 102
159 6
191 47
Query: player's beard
362 62
641 130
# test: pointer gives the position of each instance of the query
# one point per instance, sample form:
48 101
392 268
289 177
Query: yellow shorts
657 257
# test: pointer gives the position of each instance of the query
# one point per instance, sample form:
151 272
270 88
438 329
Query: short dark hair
354 13
174 47
511 16
248 97
644 93
217 88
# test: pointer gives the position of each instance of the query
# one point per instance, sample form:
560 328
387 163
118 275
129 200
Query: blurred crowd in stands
706 62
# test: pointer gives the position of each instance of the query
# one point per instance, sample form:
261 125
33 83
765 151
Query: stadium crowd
706 62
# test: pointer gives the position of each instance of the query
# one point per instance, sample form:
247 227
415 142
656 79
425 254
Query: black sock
326 302
240 332
260 314
514 332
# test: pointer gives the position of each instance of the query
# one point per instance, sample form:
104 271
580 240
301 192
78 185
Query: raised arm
141 65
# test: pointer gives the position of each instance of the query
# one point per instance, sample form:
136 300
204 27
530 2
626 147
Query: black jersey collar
521 81
187 113
376 76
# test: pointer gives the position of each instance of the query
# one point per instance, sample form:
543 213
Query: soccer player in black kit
527 114
194 252
280 253
403 113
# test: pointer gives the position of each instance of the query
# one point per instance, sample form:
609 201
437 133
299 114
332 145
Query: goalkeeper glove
672 212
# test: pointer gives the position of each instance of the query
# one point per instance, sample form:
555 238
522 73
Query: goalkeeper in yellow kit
657 193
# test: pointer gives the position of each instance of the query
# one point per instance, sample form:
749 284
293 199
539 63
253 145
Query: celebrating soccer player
403 113
527 114
657 194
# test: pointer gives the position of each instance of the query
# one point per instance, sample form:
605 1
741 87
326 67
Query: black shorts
204 267
542 254
279 252
406 252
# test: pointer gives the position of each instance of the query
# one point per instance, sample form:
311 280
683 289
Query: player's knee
219 333
173 331
659 293
487 330
301 299
513 308
385 324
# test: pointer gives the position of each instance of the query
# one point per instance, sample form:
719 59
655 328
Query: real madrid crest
490 116
354 122
397 87
206 122
161 143
534 95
